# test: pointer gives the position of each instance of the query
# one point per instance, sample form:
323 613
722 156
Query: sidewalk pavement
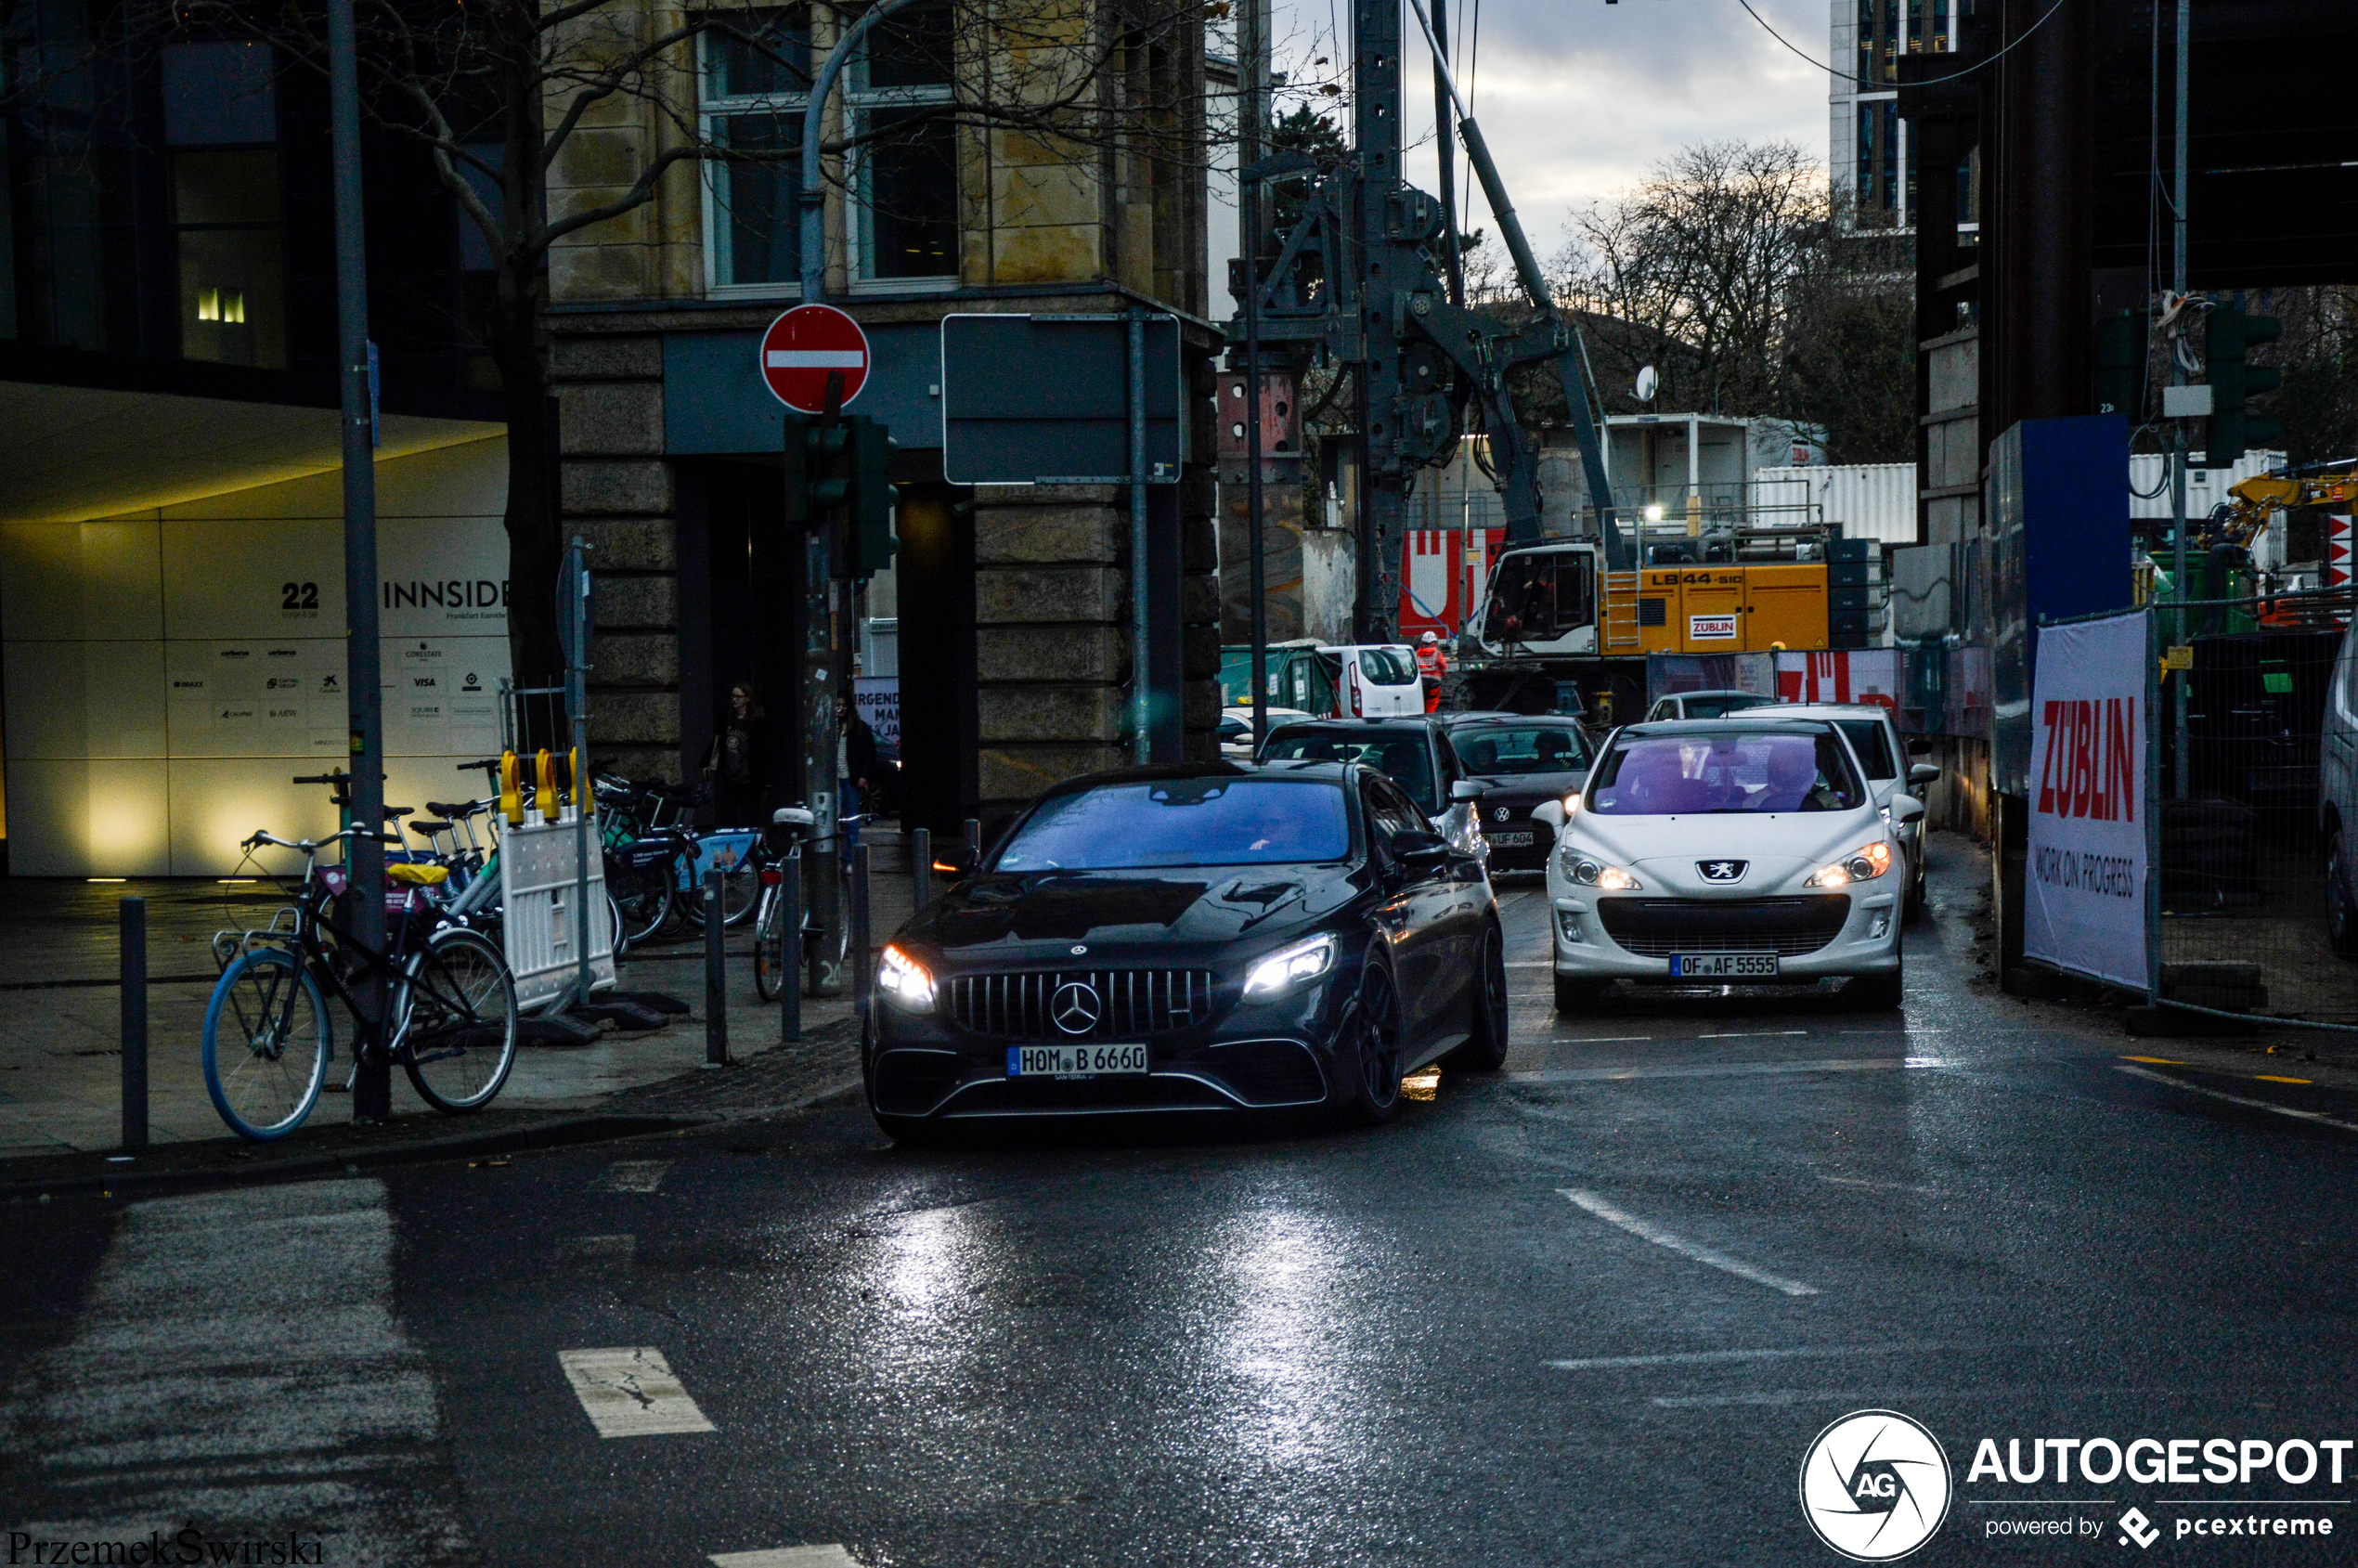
60 1037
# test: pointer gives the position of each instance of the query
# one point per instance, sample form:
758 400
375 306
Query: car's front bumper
1867 942
1257 1055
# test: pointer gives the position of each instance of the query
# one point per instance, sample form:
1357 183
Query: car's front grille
1129 1004
1789 927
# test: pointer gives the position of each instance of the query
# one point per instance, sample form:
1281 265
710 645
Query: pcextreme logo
1875 1485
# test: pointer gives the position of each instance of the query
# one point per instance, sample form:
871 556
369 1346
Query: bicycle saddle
794 816
410 874
446 809
429 826
400 810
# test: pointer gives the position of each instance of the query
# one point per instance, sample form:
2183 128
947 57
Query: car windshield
1676 775
1398 754
1183 822
1387 666
1718 704
1873 747
1540 749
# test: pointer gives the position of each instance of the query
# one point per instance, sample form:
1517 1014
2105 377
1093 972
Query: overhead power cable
1928 82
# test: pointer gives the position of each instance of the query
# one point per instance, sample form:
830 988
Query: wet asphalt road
1593 1310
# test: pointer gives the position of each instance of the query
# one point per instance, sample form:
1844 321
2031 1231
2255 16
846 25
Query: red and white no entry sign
807 344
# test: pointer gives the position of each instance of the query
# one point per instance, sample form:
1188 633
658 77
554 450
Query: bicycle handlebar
311 845
337 778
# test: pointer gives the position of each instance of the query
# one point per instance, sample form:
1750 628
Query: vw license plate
1074 1061
1511 841
1723 965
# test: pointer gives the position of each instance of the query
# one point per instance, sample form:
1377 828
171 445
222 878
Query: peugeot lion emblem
1074 1008
1722 871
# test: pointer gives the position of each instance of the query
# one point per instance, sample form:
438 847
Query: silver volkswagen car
1731 852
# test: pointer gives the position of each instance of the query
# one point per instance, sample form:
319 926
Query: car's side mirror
1919 745
1421 851
1465 789
1922 773
1906 809
954 859
1552 813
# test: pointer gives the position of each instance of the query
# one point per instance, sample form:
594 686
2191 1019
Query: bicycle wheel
643 894
457 1009
769 951
266 1043
740 893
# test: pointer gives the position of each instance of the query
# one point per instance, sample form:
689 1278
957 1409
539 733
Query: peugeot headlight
1863 866
1289 967
1591 872
904 981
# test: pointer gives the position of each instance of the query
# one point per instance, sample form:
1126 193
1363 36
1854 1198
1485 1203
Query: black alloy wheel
1485 1047
1367 1049
2341 918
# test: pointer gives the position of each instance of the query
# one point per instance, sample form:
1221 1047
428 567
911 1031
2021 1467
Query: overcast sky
1577 96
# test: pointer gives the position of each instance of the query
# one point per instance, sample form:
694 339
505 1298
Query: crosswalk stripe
599 1249
632 1175
631 1392
787 1557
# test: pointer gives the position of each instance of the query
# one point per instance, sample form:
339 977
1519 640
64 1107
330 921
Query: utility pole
2178 377
1252 70
364 854
1383 486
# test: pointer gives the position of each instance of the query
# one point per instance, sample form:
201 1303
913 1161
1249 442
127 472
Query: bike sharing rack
558 944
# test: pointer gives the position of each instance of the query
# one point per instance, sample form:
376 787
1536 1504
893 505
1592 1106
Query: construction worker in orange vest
1431 663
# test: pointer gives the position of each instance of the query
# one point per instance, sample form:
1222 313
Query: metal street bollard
974 843
920 868
715 976
790 949
135 1023
862 960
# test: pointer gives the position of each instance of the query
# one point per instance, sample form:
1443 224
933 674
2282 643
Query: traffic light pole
2178 377
819 784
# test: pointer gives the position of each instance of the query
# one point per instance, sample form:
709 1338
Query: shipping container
1874 500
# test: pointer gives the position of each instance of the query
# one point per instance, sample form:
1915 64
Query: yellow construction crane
2239 521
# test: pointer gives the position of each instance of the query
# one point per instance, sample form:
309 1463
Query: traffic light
2120 365
866 546
2228 339
838 475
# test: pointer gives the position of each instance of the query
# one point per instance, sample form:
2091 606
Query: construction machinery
2238 522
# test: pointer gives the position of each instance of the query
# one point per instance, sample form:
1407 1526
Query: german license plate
1723 965
1511 841
1074 1061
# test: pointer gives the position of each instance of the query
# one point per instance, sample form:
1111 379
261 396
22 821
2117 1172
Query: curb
559 1134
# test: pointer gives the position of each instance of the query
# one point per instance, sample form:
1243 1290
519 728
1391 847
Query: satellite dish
1647 383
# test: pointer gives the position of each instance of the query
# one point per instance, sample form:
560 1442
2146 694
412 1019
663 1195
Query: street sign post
804 347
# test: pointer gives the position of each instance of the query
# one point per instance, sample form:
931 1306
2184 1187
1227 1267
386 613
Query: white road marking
599 1249
1684 1248
1885 1186
631 1392
632 1175
1721 1069
1754 1034
1600 1039
2236 1099
1711 1357
1768 1396
787 1557
239 1357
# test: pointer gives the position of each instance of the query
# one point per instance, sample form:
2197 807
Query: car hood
1534 786
992 920
1774 845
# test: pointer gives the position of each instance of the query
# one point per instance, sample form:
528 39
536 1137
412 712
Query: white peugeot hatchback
1738 852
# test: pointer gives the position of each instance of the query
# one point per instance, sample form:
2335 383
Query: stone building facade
1013 601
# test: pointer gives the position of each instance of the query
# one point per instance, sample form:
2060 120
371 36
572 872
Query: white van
1377 681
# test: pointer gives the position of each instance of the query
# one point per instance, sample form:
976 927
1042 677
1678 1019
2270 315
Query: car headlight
1289 967
904 981
1591 872
1863 866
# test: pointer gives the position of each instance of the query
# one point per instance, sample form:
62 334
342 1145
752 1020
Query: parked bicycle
450 1000
770 966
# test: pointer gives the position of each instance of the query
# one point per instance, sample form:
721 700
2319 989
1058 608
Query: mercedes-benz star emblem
1722 871
1074 1008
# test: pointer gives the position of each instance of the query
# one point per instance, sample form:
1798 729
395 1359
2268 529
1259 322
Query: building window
905 178
754 91
225 213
